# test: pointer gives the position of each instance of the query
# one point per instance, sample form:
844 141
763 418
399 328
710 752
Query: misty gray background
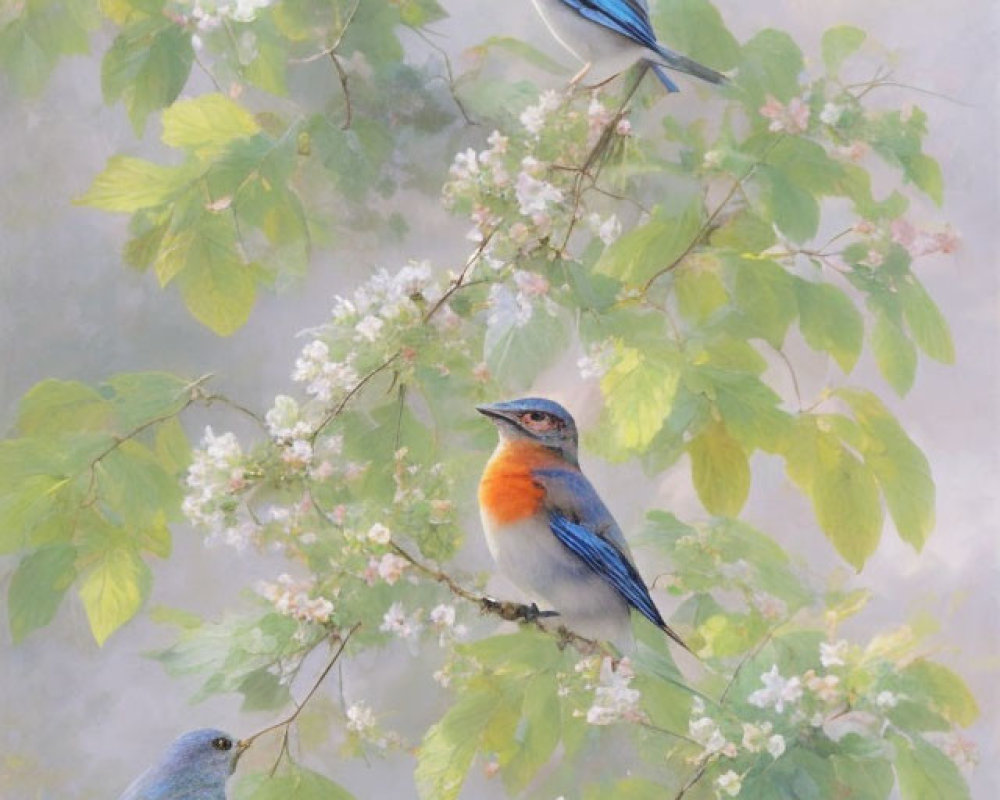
78 722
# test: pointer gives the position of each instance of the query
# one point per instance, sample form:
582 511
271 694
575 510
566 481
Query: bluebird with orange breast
548 530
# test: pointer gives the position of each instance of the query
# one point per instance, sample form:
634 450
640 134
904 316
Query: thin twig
333 414
451 75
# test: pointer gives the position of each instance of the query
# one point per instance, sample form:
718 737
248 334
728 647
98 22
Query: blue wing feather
627 17
607 561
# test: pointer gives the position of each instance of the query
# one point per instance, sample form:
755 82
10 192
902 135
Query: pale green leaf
695 28
900 467
946 690
925 321
700 291
521 50
129 184
53 406
638 392
140 397
765 295
925 173
295 783
113 590
218 291
37 588
848 508
136 486
793 208
770 65
652 248
830 322
925 773
538 734
894 353
720 470
206 124
26 505
839 43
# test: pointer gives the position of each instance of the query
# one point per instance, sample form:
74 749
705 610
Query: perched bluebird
548 530
612 35
195 767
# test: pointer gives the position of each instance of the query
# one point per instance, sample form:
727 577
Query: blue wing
630 18
607 561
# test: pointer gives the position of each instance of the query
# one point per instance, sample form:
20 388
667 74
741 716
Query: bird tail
686 65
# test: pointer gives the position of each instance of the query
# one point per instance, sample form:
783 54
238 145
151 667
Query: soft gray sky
68 308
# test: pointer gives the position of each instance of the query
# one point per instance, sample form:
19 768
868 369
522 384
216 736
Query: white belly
533 559
588 42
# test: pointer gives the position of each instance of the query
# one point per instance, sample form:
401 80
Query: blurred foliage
679 257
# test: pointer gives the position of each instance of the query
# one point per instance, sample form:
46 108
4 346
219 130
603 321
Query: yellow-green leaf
925 321
894 353
848 508
54 406
830 322
129 184
840 42
638 392
947 691
206 124
700 290
113 590
720 470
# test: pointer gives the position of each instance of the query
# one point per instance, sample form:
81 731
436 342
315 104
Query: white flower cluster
323 376
293 599
214 480
210 14
534 116
389 568
614 699
598 360
778 692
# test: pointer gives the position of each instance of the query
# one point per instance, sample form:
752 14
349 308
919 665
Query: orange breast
507 492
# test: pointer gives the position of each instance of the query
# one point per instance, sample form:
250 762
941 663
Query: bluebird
195 767
612 35
548 530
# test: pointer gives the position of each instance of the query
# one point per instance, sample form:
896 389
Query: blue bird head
535 419
195 766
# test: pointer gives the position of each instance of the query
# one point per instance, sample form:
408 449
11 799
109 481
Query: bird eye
536 416
222 743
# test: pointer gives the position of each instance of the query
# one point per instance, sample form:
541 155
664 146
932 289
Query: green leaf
638 392
26 505
845 496
830 322
129 184
863 778
140 397
765 295
652 248
136 486
894 353
172 448
839 43
925 321
295 783
794 209
807 165
925 173
695 28
900 467
449 745
35 35
113 590
770 65
947 692
748 406
538 733
37 588
206 124
53 406
745 233
700 291
218 288
147 65
925 773
799 774
720 470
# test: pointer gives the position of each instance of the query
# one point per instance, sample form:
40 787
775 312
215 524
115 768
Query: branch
332 415
286 723
707 225
506 610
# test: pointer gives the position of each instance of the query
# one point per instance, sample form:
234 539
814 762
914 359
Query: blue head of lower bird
195 767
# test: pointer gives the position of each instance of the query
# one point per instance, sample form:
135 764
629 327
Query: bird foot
515 612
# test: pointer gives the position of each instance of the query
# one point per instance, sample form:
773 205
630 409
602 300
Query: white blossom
776 745
886 700
832 655
396 621
533 195
379 534
777 691
391 566
534 116
292 598
614 699
360 717
754 736
730 783
831 114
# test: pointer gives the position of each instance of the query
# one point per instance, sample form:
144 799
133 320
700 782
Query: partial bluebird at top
195 767
608 36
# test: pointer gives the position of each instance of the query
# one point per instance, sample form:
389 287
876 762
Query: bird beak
241 747
495 411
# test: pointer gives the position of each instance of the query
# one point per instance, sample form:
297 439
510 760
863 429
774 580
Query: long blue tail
661 73
687 65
